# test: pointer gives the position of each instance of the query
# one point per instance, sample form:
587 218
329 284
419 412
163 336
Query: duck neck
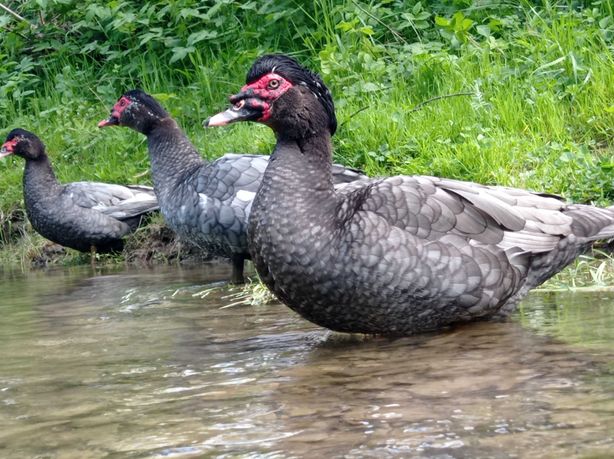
172 155
306 163
39 181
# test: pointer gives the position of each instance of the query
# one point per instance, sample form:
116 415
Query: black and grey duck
205 203
84 216
398 255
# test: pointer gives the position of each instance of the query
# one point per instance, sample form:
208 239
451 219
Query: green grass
539 112
593 271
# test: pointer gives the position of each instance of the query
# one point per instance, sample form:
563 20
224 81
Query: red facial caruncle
9 147
116 112
254 101
120 106
266 89
269 86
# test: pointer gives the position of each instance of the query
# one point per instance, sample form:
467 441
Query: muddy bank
152 243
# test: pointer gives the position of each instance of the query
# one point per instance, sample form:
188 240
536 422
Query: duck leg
238 263
93 256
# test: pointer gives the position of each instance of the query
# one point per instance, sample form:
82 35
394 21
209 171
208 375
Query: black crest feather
29 136
294 72
141 96
19 132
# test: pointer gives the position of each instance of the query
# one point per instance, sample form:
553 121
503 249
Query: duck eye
239 105
273 84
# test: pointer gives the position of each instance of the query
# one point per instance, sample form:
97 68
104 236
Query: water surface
138 364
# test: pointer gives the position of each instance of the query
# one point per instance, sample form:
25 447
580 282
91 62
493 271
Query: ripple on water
151 364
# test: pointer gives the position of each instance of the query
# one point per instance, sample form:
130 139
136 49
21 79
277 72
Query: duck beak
111 121
7 149
244 109
226 117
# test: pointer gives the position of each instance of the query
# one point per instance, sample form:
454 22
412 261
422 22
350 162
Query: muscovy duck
86 216
397 255
205 203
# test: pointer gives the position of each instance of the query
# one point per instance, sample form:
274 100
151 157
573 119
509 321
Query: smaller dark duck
85 216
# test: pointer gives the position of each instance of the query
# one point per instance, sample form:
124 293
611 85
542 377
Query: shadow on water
137 364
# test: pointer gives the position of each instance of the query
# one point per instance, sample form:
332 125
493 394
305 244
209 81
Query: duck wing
431 208
117 201
226 188
343 174
533 221
461 243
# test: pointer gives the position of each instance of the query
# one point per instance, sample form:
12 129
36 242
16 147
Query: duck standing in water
397 255
205 203
85 216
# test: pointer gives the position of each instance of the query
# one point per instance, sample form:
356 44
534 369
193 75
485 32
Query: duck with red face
398 255
276 78
253 103
86 216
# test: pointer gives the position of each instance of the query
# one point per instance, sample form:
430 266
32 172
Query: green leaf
370 87
483 30
154 33
200 36
366 30
347 26
441 21
181 52
605 22
466 24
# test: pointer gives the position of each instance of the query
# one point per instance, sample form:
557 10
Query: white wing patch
246 196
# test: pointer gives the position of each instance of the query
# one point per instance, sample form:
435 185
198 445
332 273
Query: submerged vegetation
497 92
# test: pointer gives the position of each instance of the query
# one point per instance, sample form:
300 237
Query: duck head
23 143
284 95
137 110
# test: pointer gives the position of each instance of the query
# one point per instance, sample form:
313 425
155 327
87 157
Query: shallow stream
143 364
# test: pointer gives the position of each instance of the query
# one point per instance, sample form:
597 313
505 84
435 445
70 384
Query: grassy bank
512 93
